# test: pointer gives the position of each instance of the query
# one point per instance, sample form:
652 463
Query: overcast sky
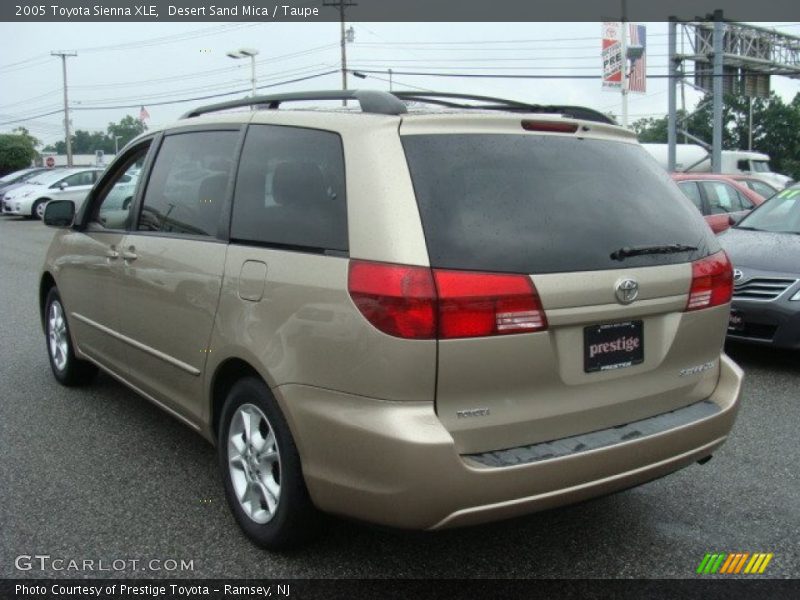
144 64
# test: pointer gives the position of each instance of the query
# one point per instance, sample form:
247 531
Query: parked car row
30 192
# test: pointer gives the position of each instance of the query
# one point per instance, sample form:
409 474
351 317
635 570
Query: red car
762 188
720 198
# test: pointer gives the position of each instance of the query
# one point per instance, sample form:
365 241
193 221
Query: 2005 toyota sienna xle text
418 317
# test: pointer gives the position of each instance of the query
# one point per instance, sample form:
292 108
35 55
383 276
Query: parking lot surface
99 473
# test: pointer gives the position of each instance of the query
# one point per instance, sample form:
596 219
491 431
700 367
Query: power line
170 39
205 73
47 114
178 101
209 96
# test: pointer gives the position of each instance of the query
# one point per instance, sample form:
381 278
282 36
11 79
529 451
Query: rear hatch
512 198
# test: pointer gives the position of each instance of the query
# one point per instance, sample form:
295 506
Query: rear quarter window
290 190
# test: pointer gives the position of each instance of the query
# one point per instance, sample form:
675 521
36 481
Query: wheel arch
43 199
226 374
46 283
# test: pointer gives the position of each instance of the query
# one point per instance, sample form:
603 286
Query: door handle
112 253
129 254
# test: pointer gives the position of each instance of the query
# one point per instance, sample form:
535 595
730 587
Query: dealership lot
100 474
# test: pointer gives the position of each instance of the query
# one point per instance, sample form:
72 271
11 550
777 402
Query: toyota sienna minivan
424 310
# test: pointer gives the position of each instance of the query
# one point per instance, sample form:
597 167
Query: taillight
422 303
712 282
484 304
397 299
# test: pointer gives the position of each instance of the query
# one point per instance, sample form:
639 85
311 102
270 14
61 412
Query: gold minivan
426 311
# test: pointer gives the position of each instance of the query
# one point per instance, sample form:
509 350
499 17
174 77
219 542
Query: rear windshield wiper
746 228
627 251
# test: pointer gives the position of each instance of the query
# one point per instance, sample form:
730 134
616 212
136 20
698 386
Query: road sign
50 162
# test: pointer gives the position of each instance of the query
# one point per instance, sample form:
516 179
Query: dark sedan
765 250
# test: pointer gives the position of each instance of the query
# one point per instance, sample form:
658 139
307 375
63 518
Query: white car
65 184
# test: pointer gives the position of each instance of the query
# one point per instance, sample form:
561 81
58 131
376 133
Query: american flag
637 80
143 114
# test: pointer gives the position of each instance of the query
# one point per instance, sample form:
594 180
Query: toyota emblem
737 274
627 291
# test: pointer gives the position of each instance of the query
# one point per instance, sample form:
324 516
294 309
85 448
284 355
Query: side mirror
63 185
59 213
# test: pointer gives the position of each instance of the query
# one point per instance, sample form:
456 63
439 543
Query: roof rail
371 101
443 99
386 103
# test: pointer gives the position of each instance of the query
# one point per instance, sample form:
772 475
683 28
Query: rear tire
261 469
67 368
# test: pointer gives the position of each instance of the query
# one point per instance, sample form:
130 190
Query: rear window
546 204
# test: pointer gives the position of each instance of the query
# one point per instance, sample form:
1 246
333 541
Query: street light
244 53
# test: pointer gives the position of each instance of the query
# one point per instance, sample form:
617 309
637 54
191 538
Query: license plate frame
613 346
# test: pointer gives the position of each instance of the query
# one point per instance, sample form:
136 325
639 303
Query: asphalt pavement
100 474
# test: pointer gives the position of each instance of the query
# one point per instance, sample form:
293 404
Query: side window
721 197
290 189
691 191
742 202
187 185
82 178
762 189
113 208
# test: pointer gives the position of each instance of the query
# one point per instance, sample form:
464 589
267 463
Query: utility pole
341 5
716 144
672 123
624 80
67 134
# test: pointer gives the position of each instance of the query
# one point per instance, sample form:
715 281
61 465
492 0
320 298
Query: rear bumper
394 463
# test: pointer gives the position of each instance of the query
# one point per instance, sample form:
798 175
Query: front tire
67 368
37 210
261 469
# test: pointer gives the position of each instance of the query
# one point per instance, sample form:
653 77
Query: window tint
290 190
779 213
115 206
760 188
724 198
546 204
188 182
692 192
82 178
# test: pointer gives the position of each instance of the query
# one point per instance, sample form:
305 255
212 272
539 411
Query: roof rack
386 103
371 101
576 112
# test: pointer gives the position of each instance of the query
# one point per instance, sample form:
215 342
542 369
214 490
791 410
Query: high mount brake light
550 126
422 303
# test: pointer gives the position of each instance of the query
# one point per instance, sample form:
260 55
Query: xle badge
472 412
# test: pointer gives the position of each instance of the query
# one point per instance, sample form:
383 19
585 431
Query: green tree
16 152
776 128
88 142
128 128
34 142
